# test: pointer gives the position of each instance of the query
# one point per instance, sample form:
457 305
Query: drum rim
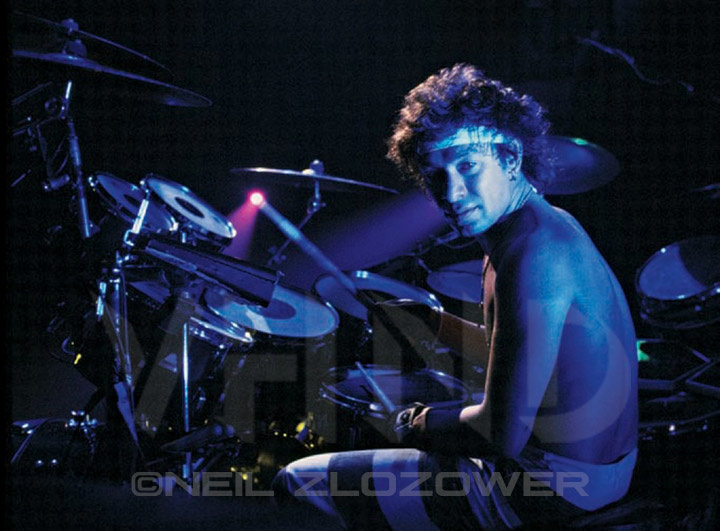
710 410
203 321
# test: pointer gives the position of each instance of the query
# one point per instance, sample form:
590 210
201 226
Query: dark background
294 81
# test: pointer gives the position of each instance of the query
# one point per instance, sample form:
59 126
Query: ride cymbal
580 166
307 179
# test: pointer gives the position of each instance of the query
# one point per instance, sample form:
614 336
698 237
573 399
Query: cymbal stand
314 205
87 228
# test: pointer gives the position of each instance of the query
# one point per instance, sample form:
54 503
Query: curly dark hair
462 96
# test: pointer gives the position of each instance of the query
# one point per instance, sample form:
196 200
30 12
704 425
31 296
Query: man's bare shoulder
552 239
552 248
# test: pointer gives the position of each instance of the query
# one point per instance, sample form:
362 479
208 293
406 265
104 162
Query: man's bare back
589 409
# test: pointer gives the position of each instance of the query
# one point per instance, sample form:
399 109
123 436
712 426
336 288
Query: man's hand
408 424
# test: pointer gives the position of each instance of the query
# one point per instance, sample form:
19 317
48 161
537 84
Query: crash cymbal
39 34
580 166
72 66
307 179
461 281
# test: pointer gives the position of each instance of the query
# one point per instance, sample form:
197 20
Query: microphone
87 228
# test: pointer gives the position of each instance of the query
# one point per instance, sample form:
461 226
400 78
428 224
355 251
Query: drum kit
188 328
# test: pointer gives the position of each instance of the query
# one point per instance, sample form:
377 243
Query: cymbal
140 86
461 281
307 179
580 166
27 24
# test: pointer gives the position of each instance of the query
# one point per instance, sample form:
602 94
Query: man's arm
533 293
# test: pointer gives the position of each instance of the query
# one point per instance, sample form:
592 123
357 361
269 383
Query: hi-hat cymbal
50 35
138 86
307 179
580 166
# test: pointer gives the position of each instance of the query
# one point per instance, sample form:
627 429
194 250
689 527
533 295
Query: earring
513 174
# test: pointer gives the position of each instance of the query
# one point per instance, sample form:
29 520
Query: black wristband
440 421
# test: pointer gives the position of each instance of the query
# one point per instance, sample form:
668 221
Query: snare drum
387 288
358 420
199 222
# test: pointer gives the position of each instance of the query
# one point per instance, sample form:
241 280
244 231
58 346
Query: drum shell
678 287
678 291
159 382
294 368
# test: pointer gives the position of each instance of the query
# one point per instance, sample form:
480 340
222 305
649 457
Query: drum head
347 387
123 200
330 290
291 313
189 206
680 283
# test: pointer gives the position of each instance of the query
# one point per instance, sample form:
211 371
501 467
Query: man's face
468 182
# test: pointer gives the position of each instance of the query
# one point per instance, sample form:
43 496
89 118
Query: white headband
465 136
